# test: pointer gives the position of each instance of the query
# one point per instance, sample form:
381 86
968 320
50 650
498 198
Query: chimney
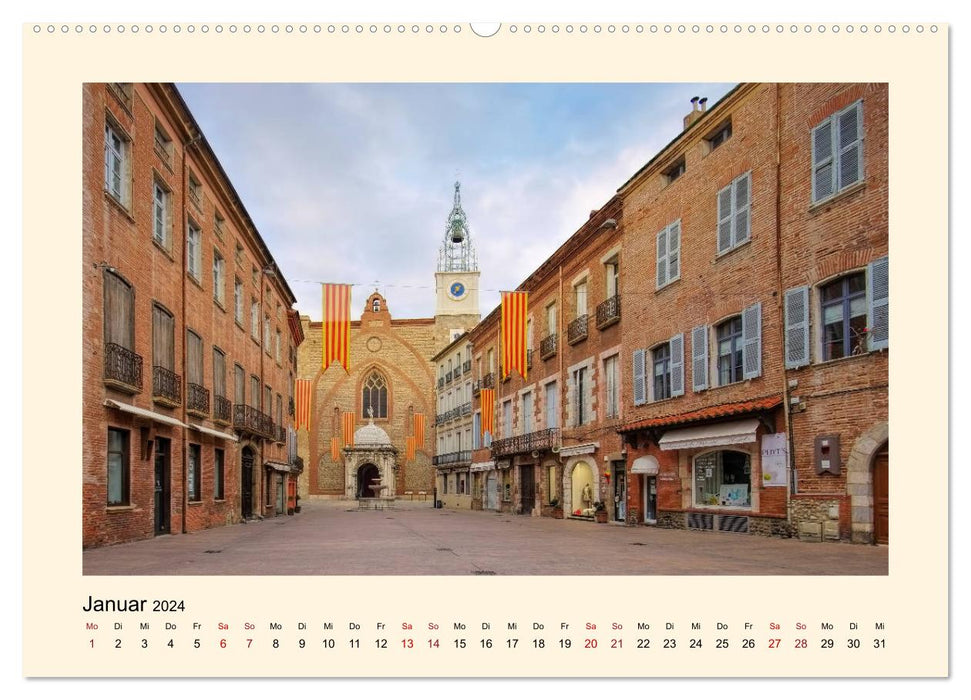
695 112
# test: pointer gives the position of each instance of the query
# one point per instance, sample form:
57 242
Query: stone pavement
334 538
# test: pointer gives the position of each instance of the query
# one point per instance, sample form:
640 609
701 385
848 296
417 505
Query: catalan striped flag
337 325
335 450
419 430
514 333
409 448
487 398
303 404
348 428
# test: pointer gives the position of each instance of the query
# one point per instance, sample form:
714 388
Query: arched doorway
580 478
861 472
246 483
881 495
367 475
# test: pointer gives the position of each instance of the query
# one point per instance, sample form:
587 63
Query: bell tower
457 277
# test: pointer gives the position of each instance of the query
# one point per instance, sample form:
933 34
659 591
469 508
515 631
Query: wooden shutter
218 373
823 174
119 312
640 393
163 339
752 341
674 251
662 258
194 369
878 303
725 219
677 365
699 358
797 327
850 134
240 388
743 199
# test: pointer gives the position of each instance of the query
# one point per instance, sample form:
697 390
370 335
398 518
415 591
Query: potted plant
600 511
556 508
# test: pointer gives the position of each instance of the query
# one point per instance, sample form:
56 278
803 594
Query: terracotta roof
704 414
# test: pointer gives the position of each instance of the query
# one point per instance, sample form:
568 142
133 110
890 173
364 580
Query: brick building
189 337
393 374
454 424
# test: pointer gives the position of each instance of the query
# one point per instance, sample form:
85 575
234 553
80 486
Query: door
527 489
163 499
246 483
650 498
620 491
492 492
881 498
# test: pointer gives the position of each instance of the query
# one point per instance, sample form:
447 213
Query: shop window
723 478
118 469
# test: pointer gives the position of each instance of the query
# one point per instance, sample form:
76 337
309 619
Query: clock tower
457 277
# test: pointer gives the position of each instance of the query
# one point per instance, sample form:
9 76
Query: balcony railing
465 409
608 312
577 330
547 346
166 386
222 410
476 387
466 366
197 400
530 442
252 420
440 418
489 381
463 457
123 368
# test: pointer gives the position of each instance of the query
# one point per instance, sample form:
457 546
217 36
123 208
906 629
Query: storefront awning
645 465
214 433
734 433
277 466
151 415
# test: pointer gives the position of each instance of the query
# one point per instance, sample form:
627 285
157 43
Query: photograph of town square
485 329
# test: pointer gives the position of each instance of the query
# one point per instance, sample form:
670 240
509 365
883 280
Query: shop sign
774 459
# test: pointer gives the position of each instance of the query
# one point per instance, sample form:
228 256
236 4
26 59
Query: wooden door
881 498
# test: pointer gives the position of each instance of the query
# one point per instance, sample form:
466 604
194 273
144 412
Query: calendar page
526 350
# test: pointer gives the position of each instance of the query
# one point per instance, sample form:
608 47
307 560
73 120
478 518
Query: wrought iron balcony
466 366
123 368
476 387
197 400
222 410
577 330
547 346
440 418
252 420
466 408
463 457
608 312
489 381
530 442
166 386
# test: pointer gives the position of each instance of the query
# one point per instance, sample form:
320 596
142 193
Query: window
238 300
720 135
160 214
580 294
728 335
374 396
669 254
552 415
675 171
476 431
239 254
551 319
194 358
661 363
163 339
837 144
844 317
276 346
195 191
219 475
218 277
193 258
118 489
163 144
254 319
254 390
279 409
612 387
218 372
612 276
194 473
579 387
240 386
267 342
723 478
119 319
492 360
220 225
527 412
734 205
507 419
267 400
116 164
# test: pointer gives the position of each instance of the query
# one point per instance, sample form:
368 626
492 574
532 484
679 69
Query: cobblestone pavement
334 538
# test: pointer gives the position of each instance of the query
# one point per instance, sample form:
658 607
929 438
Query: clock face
457 289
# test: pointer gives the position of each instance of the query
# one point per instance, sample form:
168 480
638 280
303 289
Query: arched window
375 396
723 478
376 305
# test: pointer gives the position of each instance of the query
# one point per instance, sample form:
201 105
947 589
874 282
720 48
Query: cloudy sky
353 183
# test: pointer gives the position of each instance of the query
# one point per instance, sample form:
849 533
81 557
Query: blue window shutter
797 327
725 218
677 365
752 341
699 358
824 176
674 251
662 258
878 303
640 393
743 201
850 136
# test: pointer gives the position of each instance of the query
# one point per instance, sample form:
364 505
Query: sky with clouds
353 183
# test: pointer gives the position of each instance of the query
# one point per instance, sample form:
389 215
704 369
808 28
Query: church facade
391 378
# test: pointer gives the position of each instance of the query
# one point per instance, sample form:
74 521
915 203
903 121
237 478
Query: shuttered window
160 214
752 341
797 327
163 338
238 300
612 389
254 390
194 252
218 277
661 363
194 357
837 150
116 164
843 308
699 358
551 412
734 213
728 336
218 372
677 365
240 386
119 312
640 387
668 264
878 303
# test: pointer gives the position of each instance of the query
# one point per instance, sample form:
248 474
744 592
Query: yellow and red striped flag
419 430
514 333
335 450
348 425
487 397
303 404
409 448
337 325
